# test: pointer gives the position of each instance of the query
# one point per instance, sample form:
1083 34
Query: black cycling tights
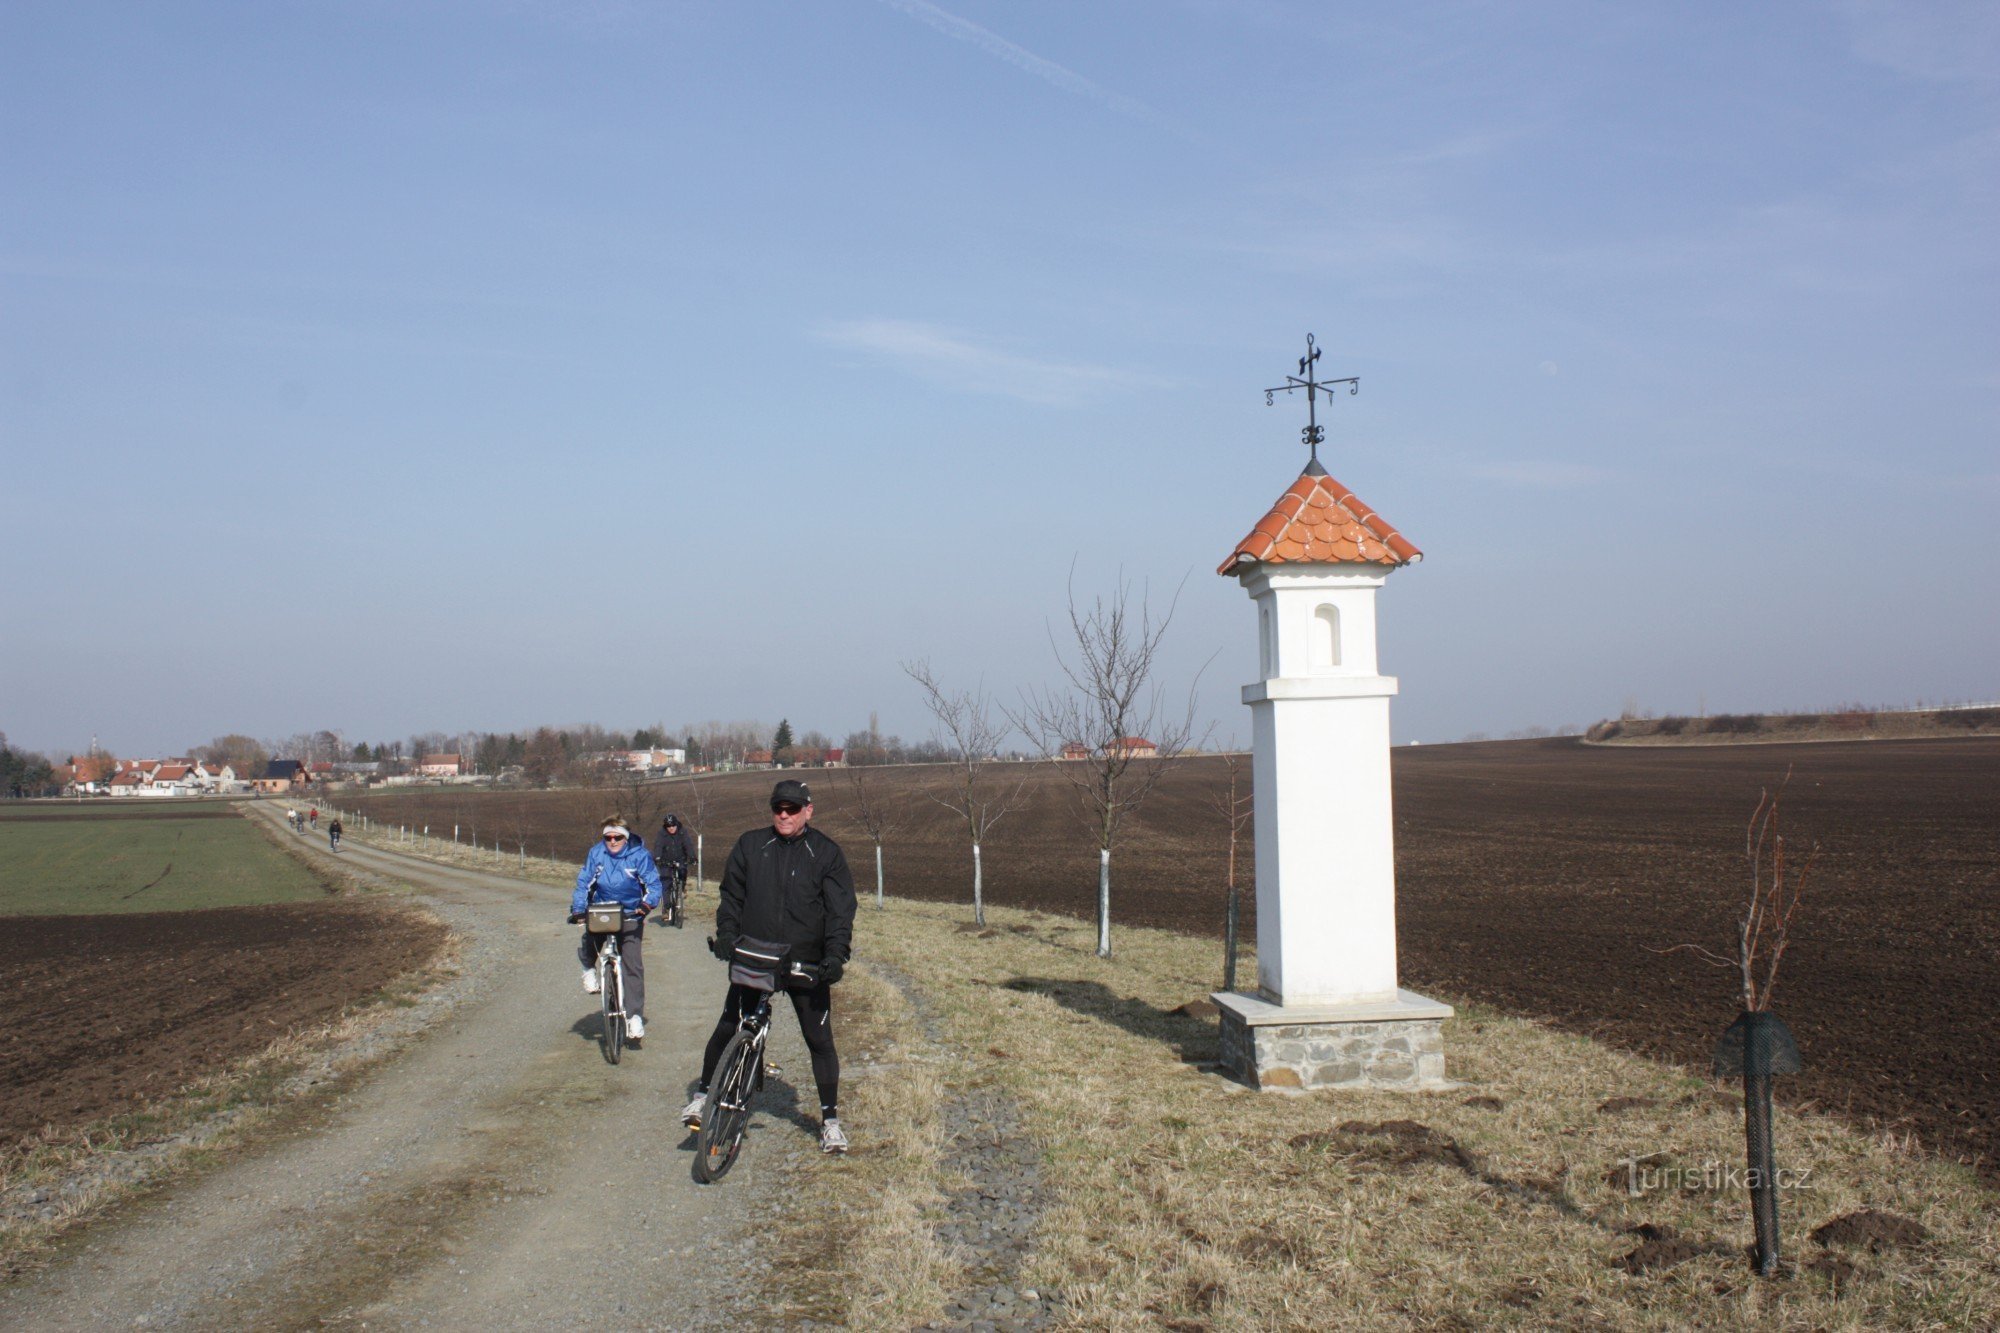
815 1010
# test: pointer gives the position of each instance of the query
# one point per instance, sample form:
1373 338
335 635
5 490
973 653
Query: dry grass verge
853 1244
1184 1201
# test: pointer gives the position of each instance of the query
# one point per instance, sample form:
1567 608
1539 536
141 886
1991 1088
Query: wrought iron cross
1313 434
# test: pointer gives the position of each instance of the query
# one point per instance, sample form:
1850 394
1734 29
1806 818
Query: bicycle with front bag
607 921
739 1073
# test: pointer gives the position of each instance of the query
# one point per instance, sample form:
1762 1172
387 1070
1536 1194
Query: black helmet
670 821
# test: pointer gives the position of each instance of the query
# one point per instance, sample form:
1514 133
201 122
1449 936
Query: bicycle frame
721 1135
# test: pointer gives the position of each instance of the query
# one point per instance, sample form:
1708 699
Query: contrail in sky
951 25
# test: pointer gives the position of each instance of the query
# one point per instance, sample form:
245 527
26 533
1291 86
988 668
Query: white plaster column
1326 859
1327 1011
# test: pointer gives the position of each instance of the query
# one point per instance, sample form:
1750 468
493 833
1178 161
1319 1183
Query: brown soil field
1542 877
100 1014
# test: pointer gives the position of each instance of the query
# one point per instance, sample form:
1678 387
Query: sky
422 365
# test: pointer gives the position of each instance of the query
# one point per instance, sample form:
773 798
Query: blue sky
397 366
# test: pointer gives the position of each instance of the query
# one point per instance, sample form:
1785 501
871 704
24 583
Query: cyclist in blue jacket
619 870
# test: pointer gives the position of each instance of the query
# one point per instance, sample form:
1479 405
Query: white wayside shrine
1328 1011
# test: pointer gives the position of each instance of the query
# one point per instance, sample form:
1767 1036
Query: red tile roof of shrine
1320 521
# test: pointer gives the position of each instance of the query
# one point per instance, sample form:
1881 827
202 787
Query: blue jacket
628 878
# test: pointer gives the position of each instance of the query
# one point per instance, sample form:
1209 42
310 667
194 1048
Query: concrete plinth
1395 1043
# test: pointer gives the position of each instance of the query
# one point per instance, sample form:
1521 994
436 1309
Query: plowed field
99 1014
1544 877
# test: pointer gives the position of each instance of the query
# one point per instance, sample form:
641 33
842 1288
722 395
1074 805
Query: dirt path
498 1174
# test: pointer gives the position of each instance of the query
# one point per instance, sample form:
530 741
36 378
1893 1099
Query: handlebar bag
755 963
605 918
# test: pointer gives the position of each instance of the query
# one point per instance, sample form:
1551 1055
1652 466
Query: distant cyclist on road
618 870
673 853
787 884
333 832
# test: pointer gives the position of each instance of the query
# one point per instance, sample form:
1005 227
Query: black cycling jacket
794 891
676 849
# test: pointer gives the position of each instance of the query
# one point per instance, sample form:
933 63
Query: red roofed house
1073 752
440 766
173 780
1135 747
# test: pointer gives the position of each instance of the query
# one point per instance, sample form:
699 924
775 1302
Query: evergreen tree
783 740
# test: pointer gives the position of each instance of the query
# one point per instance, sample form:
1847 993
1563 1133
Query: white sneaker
591 985
635 1026
832 1138
691 1113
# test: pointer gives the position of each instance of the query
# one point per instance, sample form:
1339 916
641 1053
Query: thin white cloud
1540 474
1060 76
1945 41
956 361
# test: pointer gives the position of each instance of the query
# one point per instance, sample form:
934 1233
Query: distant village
105 775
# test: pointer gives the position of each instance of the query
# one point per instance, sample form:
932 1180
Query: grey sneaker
832 1139
691 1113
591 985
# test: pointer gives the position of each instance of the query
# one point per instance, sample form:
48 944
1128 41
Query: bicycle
606 921
673 902
739 1073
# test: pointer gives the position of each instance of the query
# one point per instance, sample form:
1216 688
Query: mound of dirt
1407 1143
100 1014
1661 1247
1872 1231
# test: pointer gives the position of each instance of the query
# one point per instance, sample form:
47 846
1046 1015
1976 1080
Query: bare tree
697 796
1766 925
971 734
643 799
1108 725
1758 1044
1233 803
879 815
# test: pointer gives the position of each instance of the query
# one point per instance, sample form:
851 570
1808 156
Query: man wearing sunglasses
619 870
787 884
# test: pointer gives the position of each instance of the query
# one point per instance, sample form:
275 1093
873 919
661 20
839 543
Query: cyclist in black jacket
674 852
787 884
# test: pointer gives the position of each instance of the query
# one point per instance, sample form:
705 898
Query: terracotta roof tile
1317 520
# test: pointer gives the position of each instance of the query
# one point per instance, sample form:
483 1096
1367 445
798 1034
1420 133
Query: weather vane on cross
1313 434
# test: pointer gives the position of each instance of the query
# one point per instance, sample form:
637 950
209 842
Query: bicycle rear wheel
728 1110
614 1012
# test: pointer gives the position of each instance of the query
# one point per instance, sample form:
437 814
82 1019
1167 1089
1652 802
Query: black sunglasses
786 809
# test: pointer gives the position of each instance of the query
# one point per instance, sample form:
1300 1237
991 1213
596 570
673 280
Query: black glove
830 971
574 918
723 949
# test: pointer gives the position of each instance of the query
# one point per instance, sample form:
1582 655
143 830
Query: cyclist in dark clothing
787 884
673 854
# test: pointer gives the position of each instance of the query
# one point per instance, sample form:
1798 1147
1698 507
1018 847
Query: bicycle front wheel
614 1011
728 1112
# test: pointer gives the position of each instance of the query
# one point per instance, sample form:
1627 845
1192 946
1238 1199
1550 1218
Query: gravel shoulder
497 1173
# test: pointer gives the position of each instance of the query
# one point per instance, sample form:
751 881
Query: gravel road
496 1174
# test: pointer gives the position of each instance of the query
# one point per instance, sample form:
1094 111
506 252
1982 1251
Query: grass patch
854 1244
152 864
1184 1201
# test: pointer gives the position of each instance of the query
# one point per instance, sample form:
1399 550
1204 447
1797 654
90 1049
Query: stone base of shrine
1395 1043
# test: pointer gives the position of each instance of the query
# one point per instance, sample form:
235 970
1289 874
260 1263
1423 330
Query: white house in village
440 766
647 761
